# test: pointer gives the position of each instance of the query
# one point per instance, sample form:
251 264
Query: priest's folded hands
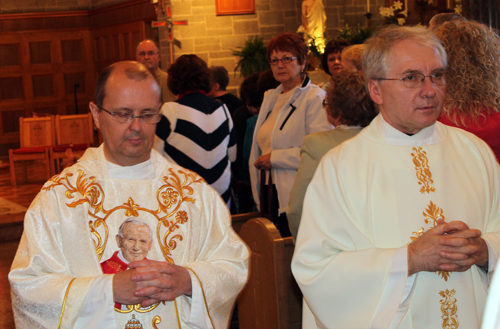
449 246
148 282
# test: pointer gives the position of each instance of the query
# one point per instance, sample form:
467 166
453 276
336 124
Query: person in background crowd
148 53
440 19
473 93
332 57
401 223
197 130
266 82
219 79
252 93
350 109
241 176
288 113
351 57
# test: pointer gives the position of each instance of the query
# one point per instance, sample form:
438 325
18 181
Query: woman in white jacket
288 113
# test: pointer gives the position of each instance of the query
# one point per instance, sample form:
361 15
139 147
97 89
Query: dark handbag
267 213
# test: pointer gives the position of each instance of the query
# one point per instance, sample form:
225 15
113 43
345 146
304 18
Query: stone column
484 11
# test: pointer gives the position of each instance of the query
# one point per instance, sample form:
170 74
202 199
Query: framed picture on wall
234 7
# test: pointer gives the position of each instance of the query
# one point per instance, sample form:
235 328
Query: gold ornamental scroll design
89 192
137 308
171 195
449 309
432 214
156 320
424 175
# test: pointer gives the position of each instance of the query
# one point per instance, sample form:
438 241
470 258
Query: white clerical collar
426 136
120 255
142 170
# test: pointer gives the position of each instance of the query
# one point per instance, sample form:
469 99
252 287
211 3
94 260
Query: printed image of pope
134 240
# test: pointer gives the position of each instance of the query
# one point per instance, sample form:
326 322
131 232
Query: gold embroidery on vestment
449 309
417 234
432 215
433 212
424 175
133 323
64 303
204 296
155 321
138 308
170 196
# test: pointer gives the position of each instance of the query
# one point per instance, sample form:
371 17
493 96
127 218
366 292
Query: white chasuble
71 226
369 198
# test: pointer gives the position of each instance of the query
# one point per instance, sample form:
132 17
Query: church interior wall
112 29
214 37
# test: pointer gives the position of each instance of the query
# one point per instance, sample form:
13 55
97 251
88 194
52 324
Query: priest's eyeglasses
416 80
284 60
127 117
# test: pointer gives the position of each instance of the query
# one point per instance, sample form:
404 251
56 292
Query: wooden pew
271 299
240 219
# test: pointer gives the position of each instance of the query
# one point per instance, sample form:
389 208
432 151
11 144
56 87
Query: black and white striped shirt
199 135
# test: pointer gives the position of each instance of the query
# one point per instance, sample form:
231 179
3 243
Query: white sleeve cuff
394 301
194 309
98 309
492 261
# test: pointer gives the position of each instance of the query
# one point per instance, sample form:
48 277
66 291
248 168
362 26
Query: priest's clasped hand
148 282
449 246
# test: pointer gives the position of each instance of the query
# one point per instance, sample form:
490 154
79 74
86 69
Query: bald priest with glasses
196 264
400 227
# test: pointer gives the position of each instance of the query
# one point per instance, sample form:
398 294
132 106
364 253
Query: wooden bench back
271 299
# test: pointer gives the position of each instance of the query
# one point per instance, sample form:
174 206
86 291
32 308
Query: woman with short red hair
288 113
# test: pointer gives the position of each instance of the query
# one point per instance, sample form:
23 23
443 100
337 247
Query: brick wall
213 37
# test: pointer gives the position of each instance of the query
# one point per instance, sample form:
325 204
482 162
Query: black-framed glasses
325 104
127 117
284 60
416 80
149 53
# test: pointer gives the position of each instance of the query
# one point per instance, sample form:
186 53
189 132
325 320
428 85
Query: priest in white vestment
196 264
400 227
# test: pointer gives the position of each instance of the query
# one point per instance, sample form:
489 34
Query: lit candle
368 6
448 6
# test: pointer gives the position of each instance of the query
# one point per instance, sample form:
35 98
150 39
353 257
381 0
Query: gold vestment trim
170 196
64 303
432 214
203 292
424 175
177 314
137 308
155 321
449 309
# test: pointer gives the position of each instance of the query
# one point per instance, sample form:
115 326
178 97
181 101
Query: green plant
253 57
316 47
356 35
